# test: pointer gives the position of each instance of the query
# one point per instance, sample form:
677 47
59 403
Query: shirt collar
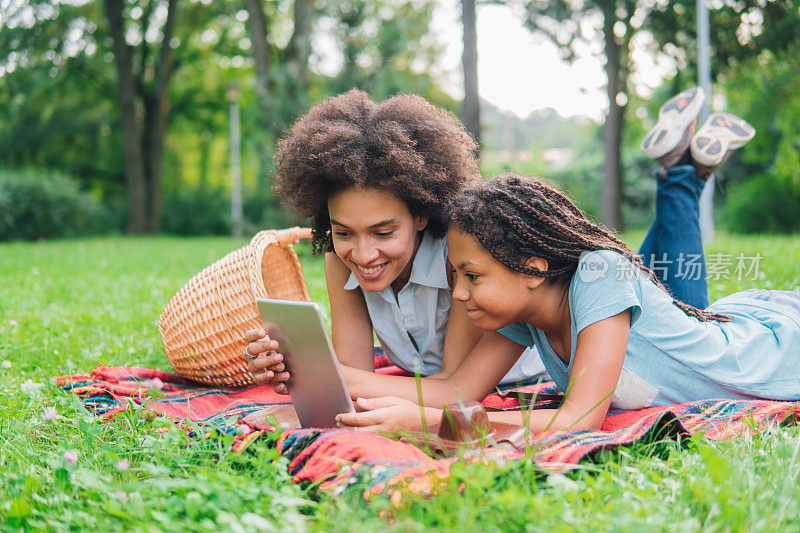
429 267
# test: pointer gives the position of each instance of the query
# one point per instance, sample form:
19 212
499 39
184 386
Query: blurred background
142 116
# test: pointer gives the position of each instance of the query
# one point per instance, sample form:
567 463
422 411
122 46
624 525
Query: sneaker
670 137
720 135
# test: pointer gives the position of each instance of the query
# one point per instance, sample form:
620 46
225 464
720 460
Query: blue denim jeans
673 247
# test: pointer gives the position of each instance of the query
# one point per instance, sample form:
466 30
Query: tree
144 106
755 46
53 94
386 47
282 76
569 24
470 109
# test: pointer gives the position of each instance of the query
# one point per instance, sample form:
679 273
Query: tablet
315 385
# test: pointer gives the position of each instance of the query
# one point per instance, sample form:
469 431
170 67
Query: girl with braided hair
375 179
532 271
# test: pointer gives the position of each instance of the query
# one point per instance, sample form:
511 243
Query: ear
421 222
539 264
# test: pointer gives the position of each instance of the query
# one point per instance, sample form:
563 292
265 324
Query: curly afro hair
403 145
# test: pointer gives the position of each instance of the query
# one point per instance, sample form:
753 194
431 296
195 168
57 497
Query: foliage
754 47
765 185
37 204
206 210
739 29
56 317
59 86
197 211
764 204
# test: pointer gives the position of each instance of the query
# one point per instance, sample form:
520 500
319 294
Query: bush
197 211
39 204
207 211
764 204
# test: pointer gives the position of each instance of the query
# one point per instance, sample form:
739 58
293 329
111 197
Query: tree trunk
258 38
470 110
131 117
144 113
299 49
157 109
611 204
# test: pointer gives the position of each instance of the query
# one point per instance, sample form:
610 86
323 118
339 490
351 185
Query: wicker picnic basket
203 325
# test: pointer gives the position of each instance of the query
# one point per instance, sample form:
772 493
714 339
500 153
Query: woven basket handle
259 243
292 235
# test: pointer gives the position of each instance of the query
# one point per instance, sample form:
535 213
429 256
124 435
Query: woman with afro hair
375 179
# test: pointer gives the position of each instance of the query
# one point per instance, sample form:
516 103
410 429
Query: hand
386 414
267 365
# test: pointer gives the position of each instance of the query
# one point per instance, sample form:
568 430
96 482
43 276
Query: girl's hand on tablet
386 414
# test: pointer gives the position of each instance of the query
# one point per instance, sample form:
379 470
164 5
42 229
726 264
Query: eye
472 276
342 234
384 234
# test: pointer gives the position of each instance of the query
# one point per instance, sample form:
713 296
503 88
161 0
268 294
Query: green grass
66 306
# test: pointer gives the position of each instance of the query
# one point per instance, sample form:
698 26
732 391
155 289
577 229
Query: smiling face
375 235
493 295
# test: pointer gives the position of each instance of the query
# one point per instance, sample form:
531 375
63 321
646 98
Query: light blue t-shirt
411 326
674 358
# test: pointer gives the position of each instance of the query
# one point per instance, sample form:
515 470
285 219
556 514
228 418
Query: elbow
592 421
444 375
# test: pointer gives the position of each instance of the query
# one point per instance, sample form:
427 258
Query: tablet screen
316 385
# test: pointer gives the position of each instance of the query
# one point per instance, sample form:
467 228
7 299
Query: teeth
370 270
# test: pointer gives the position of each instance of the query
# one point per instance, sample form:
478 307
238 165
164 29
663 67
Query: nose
365 252
460 293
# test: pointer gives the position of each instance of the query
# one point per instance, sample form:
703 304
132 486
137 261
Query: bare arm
599 355
479 372
459 340
351 329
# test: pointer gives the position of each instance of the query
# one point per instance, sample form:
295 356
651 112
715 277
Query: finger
254 334
258 347
264 361
264 377
280 388
364 429
363 419
281 376
280 367
369 404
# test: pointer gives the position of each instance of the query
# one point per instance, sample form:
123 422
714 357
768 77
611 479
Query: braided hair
515 218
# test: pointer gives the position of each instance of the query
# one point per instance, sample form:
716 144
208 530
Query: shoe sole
721 134
674 117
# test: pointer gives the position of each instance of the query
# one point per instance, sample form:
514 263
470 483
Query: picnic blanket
337 459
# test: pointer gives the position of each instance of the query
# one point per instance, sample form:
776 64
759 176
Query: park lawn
66 306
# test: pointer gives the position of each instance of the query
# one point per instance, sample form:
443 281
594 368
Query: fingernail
337 418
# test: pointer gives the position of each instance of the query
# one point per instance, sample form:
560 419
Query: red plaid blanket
342 458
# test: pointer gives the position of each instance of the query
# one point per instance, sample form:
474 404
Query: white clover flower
71 456
30 388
